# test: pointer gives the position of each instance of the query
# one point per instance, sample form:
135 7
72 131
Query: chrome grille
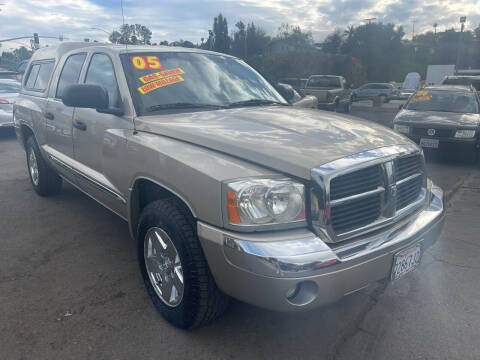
382 186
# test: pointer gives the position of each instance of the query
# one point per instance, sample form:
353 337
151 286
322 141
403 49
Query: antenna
123 20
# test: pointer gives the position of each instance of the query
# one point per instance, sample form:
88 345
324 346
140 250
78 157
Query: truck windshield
463 81
444 101
184 80
324 82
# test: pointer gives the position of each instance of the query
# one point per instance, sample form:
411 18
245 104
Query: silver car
9 90
228 189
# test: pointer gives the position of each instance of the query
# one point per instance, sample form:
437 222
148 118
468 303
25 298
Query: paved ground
70 289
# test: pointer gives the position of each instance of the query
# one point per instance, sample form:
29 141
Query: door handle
79 125
49 116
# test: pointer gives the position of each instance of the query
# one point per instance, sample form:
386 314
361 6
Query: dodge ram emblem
431 132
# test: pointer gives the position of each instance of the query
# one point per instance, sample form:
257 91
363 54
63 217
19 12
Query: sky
191 19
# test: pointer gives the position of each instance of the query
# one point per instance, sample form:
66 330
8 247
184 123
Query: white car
9 90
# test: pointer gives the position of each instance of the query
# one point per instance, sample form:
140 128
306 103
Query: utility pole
463 19
435 29
413 29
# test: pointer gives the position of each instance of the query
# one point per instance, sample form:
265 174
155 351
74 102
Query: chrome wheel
164 267
33 166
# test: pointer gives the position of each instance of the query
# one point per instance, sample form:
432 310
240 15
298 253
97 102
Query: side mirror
86 96
286 91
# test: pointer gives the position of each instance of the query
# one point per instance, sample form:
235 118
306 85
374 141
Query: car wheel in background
45 181
174 268
383 99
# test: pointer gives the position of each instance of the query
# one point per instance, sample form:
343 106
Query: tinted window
70 73
193 78
32 76
100 72
463 81
43 76
444 101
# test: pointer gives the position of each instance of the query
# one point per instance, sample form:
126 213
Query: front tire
174 268
45 181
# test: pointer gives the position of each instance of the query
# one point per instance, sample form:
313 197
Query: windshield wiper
255 102
182 105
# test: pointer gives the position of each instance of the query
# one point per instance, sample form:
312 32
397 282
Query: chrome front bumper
296 270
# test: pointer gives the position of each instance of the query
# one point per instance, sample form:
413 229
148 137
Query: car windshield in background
443 100
324 82
9 87
463 81
179 80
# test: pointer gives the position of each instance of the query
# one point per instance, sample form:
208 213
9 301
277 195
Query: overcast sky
191 19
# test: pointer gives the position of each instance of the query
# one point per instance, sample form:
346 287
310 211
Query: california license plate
406 261
429 143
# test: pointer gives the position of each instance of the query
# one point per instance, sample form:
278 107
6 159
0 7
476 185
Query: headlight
404 129
463 134
264 201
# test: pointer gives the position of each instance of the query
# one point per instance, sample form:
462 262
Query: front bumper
296 270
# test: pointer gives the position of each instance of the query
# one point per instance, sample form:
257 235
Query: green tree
221 40
239 41
333 42
131 34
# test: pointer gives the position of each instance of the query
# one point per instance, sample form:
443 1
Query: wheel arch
146 190
26 131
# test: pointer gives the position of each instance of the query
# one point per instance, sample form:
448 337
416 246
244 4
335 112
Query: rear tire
201 301
45 181
347 107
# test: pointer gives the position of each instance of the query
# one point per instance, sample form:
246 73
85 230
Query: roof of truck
55 52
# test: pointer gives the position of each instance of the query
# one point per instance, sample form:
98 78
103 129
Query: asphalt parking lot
70 288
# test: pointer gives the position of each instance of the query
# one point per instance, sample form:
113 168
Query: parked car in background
228 190
463 80
332 92
296 83
7 74
9 90
294 98
444 117
383 91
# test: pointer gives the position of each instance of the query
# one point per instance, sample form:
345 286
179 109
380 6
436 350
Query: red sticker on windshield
146 62
145 89
160 75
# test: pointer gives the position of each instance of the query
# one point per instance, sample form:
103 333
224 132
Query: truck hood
285 139
437 118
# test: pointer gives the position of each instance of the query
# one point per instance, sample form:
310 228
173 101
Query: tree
333 42
221 40
131 34
239 41
294 34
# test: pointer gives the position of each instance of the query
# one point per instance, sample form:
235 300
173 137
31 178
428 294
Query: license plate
406 261
429 143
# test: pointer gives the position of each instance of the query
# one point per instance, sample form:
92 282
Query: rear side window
32 76
39 76
70 73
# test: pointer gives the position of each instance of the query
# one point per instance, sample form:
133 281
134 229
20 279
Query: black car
444 117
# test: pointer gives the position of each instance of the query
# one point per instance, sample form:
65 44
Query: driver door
99 139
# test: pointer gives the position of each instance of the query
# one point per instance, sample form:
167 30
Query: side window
70 73
100 72
32 76
39 76
43 76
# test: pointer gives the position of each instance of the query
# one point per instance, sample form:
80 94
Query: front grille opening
356 182
439 133
408 192
355 214
407 166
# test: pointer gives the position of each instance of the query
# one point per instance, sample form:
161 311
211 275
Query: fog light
404 129
302 293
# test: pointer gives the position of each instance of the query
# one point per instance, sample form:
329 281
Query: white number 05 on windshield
406 261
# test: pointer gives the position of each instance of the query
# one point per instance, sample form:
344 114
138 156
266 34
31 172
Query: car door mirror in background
86 96
286 91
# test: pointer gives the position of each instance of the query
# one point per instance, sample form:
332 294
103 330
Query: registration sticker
160 75
144 89
146 62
